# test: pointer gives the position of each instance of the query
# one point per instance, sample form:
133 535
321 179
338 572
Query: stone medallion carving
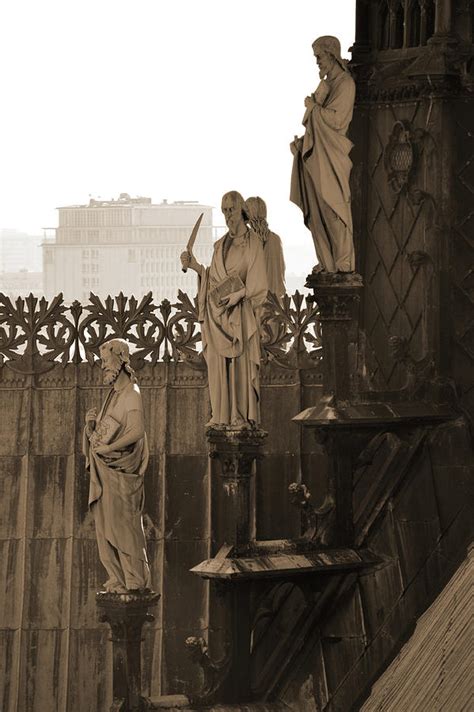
400 156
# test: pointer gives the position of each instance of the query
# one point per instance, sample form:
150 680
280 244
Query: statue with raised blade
232 291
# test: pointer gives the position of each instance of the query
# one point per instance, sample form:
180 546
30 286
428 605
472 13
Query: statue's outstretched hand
296 145
188 261
91 417
185 258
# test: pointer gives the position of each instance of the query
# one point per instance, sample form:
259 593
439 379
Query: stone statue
272 247
116 450
231 294
321 165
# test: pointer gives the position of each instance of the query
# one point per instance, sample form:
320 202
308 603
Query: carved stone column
233 505
126 613
393 6
361 46
337 296
443 18
423 21
225 659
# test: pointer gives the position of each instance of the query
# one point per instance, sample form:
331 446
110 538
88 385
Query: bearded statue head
115 357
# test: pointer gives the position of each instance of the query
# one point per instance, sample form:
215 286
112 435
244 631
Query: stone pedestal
126 613
337 296
233 506
225 658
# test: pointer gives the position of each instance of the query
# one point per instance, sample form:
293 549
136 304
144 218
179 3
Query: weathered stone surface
50 496
90 657
9 653
151 658
186 506
13 479
184 610
12 556
416 519
53 421
83 519
153 515
15 428
276 517
48 573
188 410
276 415
43 671
87 577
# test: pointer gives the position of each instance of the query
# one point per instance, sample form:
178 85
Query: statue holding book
231 293
116 450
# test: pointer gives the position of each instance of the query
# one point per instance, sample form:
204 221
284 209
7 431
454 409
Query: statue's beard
110 375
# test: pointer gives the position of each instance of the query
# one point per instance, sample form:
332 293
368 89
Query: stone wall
55 655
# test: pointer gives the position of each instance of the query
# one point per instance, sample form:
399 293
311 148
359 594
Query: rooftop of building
125 200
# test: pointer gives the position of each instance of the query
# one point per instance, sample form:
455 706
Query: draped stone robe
116 495
320 176
275 264
231 340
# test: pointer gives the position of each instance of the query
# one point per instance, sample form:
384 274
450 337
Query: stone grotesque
321 165
116 450
272 247
231 294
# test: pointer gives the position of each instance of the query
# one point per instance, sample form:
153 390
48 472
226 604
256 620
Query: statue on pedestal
116 450
321 165
231 294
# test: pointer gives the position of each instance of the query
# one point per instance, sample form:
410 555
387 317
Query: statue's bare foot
240 424
114 586
216 426
317 269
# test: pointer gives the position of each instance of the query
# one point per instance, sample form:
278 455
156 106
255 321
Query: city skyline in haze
179 100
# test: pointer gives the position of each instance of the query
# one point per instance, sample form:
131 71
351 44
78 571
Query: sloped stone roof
434 670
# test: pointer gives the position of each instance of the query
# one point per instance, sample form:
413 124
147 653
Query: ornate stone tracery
36 334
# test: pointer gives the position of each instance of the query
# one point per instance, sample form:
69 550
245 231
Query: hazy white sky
176 99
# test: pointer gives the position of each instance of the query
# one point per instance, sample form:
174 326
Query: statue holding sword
231 293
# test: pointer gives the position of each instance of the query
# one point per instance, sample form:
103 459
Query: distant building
21 284
128 245
20 251
20 264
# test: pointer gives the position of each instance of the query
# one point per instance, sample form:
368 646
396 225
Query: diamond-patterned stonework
417 245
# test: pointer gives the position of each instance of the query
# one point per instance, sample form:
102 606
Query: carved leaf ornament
35 334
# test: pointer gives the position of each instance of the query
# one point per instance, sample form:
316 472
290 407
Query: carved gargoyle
418 371
214 672
315 522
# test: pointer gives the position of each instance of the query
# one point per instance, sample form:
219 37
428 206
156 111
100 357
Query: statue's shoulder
348 80
255 240
218 243
133 397
274 239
